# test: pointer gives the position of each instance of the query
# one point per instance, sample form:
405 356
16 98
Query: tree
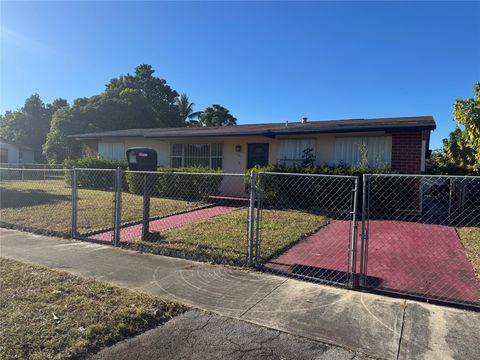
185 108
456 155
140 100
467 113
216 115
29 125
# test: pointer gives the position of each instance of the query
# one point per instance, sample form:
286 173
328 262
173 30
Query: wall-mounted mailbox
142 159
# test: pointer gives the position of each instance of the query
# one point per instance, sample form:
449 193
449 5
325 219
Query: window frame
4 155
176 155
284 160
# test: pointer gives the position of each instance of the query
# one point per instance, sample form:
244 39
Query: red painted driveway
134 232
403 256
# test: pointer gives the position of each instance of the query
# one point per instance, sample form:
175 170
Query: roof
274 129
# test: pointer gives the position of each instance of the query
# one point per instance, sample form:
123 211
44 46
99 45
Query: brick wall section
407 151
89 147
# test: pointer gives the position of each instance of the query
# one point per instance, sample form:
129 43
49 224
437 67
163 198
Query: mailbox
142 159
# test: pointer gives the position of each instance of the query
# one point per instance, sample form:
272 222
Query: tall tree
29 125
216 115
140 100
467 113
185 108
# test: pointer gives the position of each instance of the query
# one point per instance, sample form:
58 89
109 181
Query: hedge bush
97 179
329 194
174 183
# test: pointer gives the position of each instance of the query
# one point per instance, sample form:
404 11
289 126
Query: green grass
470 237
46 206
47 314
225 237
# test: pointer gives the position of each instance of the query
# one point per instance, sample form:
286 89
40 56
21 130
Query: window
205 155
290 152
348 150
3 155
111 151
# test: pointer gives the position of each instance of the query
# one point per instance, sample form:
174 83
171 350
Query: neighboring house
401 143
14 154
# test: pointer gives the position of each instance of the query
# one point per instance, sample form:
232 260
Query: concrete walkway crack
401 329
263 298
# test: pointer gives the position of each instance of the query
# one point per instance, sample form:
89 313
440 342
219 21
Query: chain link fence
412 235
306 226
37 201
421 236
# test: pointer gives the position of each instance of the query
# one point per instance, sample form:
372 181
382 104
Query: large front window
291 151
204 155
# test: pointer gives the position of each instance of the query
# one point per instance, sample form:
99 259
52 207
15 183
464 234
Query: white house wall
236 161
12 152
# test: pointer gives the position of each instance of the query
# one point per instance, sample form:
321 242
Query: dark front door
257 155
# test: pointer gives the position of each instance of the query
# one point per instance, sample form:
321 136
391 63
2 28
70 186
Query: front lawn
46 314
470 237
224 237
37 205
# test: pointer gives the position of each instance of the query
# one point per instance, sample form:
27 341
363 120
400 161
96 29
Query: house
402 143
13 154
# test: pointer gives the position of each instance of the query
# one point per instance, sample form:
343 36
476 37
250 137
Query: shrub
313 193
96 179
175 183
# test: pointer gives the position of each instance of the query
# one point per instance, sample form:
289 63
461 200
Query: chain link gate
420 236
318 240
94 204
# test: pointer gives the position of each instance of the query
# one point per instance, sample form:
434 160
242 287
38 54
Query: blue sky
266 62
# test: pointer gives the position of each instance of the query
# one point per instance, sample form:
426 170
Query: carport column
74 202
353 245
251 218
118 206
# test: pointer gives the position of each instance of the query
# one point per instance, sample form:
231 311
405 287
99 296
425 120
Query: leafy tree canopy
467 113
140 100
29 125
216 115
460 153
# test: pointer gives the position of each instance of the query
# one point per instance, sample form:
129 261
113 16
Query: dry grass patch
46 206
470 237
224 237
46 314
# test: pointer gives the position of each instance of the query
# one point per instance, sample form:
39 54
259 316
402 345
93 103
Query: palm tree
185 108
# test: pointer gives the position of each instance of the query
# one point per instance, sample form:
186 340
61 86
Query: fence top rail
352 177
39 170
425 176
182 173
93 169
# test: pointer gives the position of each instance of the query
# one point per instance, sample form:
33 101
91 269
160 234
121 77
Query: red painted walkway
134 232
410 257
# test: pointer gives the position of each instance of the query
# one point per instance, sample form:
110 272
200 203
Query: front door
257 155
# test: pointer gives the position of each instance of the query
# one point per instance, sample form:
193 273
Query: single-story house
402 143
13 154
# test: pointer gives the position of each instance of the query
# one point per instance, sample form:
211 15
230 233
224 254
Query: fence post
353 257
23 171
74 202
363 235
118 206
259 199
251 218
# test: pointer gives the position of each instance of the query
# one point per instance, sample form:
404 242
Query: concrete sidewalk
374 325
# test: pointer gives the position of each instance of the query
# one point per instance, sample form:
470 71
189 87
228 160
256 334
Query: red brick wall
407 152
89 147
